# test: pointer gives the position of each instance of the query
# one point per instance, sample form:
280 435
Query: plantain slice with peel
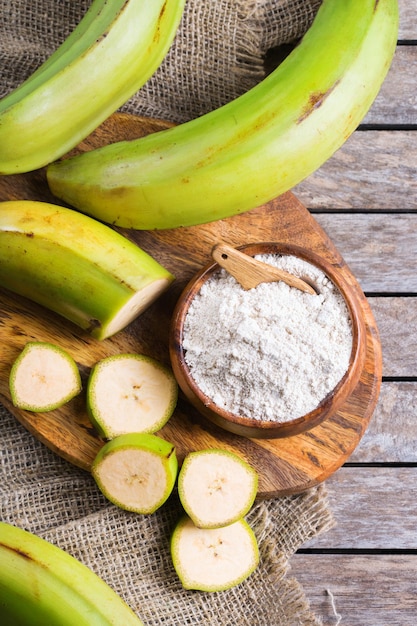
213 559
43 377
136 471
216 487
130 393
109 56
76 266
252 149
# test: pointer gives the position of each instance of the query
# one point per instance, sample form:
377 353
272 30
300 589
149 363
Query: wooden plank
379 248
392 433
374 509
396 102
369 590
408 22
395 318
372 170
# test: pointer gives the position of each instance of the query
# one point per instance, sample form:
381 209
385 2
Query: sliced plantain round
213 559
43 377
136 472
130 393
216 487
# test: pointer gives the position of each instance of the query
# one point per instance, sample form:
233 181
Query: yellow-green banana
76 266
252 149
113 51
41 585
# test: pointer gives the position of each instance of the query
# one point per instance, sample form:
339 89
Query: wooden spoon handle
250 272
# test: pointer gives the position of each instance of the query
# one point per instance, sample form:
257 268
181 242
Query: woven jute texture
217 55
42 493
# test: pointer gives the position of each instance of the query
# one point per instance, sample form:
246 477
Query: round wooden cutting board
285 466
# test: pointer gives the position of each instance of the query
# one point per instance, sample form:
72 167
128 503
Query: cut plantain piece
136 472
43 377
216 487
130 393
213 559
75 266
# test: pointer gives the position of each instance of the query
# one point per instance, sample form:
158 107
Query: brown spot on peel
160 19
315 100
20 553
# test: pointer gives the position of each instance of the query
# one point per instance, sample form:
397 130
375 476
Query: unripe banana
252 149
76 266
41 585
113 51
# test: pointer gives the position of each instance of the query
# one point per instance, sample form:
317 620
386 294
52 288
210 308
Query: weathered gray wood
392 433
374 508
396 318
380 249
408 24
372 170
370 590
377 170
396 102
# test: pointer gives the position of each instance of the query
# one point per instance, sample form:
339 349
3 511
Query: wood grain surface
364 570
285 466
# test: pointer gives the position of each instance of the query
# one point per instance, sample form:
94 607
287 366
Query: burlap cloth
217 54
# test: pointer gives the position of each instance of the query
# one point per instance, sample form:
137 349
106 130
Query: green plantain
76 266
252 149
41 585
109 56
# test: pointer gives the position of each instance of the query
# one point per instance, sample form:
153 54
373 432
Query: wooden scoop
250 272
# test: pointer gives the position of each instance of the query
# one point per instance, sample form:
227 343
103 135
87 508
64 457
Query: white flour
270 353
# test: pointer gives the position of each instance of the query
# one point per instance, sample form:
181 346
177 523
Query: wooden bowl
255 428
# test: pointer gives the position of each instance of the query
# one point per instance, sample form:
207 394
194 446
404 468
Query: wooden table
365 197
364 570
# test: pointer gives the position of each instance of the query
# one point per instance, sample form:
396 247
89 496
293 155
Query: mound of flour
270 353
